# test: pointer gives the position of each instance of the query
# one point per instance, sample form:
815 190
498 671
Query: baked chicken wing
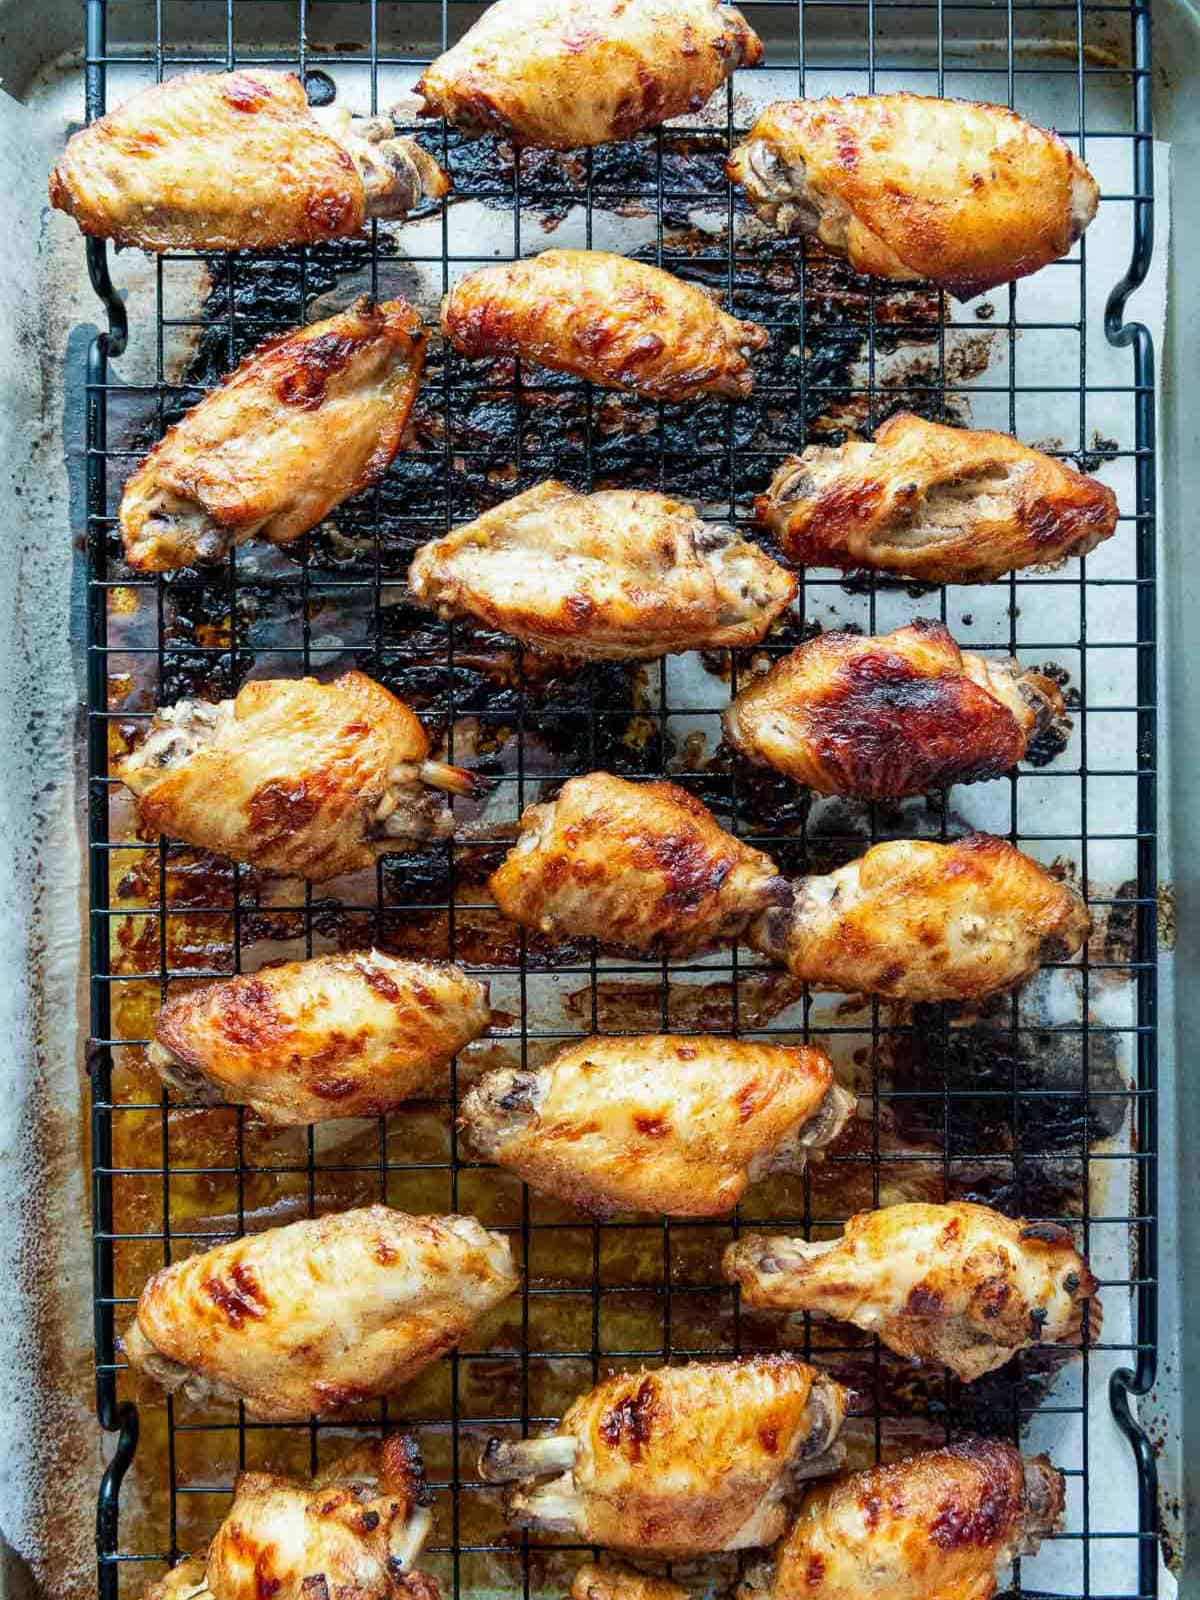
680 1461
562 73
909 186
891 716
918 920
301 778
236 161
354 1531
639 866
610 1580
308 420
623 575
320 1315
937 1526
958 1284
618 322
943 505
339 1036
663 1123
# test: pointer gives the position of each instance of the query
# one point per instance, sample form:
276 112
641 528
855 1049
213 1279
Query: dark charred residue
628 1425
240 1299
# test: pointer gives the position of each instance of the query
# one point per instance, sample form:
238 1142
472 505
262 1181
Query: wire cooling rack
1043 1104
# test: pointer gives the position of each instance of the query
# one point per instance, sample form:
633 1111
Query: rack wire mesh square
1043 1104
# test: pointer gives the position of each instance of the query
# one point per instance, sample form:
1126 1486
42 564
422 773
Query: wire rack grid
951 1108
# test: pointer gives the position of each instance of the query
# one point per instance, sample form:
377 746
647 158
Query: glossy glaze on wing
320 1315
618 322
943 505
339 1036
621 575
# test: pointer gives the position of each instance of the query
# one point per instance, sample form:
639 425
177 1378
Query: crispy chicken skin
942 505
610 1580
917 920
236 161
880 718
936 1526
564 73
664 1123
622 575
309 419
639 866
320 1315
909 186
339 1036
680 1461
956 1284
620 323
297 777
356 1529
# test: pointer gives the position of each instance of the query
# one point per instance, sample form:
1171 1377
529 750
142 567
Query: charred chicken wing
306 421
301 778
664 1123
892 716
937 1526
639 866
319 1315
908 186
623 575
958 1284
355 1530
680 1461
918 920
562 73
943 505
339 1036
621 323
236 161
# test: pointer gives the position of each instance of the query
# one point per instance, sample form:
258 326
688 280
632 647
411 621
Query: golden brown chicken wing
562 73
297 777
639 866
937 1526
623 575
944 505
620 323
956 1284
339 1036
306 421
236 161
319 1315
610 1580
918 920
908 186
356 1530
680 1461
892 716
662 1123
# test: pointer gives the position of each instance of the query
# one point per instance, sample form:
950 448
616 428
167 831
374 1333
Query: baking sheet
978 618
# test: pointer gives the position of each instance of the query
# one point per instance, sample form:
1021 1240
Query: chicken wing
955 1284
308 420
943 505
356 1529
664 1123
936 1526
909 186
340 1036
236 161
300 778
892 716
639 866
620 323
680 1461
918 920
563 73
609 1580
319 1315
623 575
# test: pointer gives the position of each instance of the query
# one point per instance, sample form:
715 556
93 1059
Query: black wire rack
1042 1105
